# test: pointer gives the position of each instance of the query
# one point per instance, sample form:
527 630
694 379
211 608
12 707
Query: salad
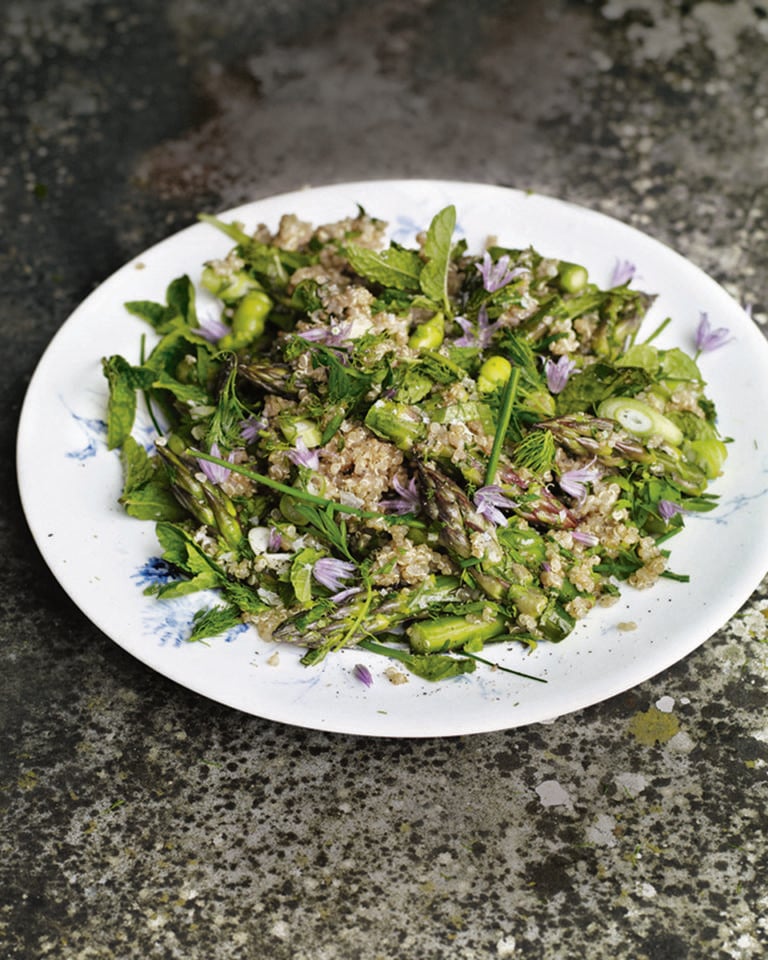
418 451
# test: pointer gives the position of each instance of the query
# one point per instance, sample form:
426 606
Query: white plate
70 483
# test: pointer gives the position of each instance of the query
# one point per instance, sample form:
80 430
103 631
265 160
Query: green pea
571 277
428 335
493 374
248 320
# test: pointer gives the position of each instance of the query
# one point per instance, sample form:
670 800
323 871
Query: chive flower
333 335
573 482
707 339
583 536
490 500
211 328
558 374
251 428
496 275
215 472
668 508
409 500
363 674
330 572
479 336
304 457
623 272
274 541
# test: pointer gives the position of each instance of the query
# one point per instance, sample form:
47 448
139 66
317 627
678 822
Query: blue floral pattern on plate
170 620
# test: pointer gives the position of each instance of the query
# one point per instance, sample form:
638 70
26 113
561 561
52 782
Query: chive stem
505 415
146 393
498 666
300 494
657 331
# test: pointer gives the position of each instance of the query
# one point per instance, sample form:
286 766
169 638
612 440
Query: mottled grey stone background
139 820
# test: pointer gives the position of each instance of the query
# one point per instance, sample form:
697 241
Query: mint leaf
153 501
180 296
121 406
181 550
138 468
437 249
157 315
146 494
395 267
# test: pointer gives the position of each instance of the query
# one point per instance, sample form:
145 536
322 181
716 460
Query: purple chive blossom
668 508
706 338
409 500
329 572
303 457
275 541
214 471
488 500
333 335
496 275
588 539
480 337
573 481
623 272
363 674
211 328
558 374
251 428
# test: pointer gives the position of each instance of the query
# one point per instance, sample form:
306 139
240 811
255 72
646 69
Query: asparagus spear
206 502
272 377
405 426
451 509
588 436
535 503
324 625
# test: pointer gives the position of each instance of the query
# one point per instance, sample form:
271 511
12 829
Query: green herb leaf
301 574
598 382
536 452
157 315
146 494
224 428
432 666
181 550
121 406
394 267
211 621
324 521
437 249
180 296
233 230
